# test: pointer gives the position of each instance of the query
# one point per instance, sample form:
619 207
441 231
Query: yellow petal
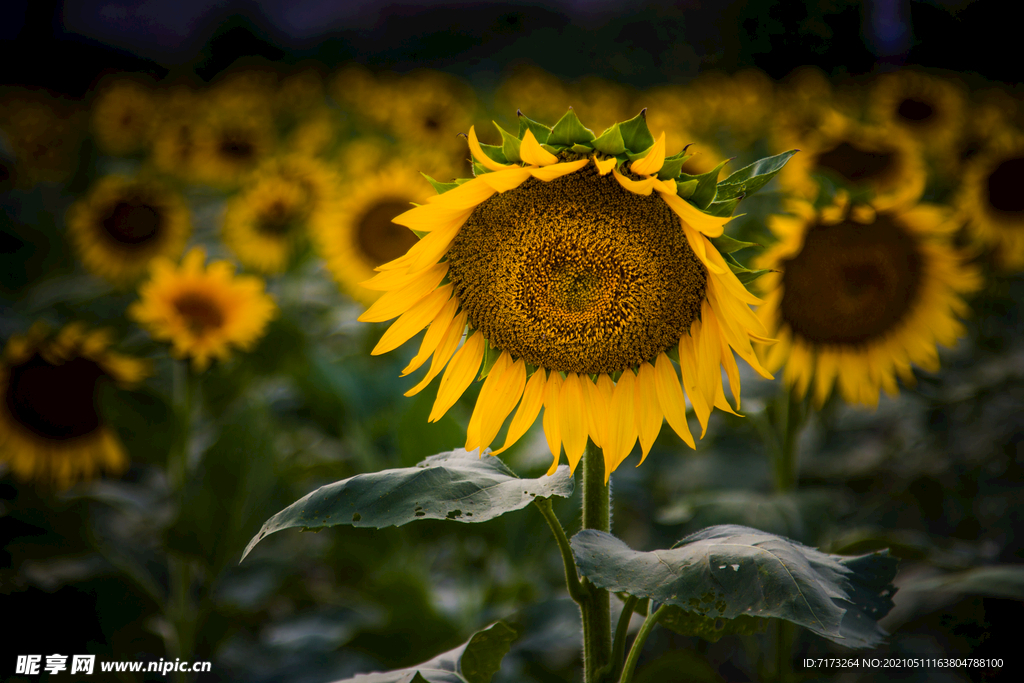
529 406
507 395
605 166
502 181
386 280
459 375
648 413
549 173
621 423
654 160
670 398
709 359
712 226
474 438
643 187
452 337
571 418
552 428
412 321
465 196
533 154
435 333
429 218
699 244
596 409
688 362
431 248
824 375
478 153
395 303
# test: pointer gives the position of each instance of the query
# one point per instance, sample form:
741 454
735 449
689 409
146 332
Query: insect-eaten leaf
729 571
460 485
475 661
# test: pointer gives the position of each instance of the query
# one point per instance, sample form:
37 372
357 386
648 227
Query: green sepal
748 276
707 186
743 274
479 169
509 145
582 149
490 356
540 131
439 187
610 142
569 131
635 133
673 165
752 178
419 233
673 353
727 245
551 148
494 153
686 190
723 209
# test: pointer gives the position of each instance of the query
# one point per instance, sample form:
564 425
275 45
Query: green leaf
476 661
509 145
727 571
582 149
747 276
540 131
707 186
727 245
752 178
610 142
686 190
996 581
439 187
673 165
569 131
494 152
458 485
723 209
635 133
687 623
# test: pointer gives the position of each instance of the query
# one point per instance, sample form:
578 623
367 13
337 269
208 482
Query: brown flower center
851 283
915 111
237 147
1004 186
379 240
577 274
201 315
132 221
276 219
56 402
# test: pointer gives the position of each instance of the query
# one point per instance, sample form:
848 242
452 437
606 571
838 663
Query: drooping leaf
727 245
673 165
728 571
995 581
752 178
459 485
475 661
569 131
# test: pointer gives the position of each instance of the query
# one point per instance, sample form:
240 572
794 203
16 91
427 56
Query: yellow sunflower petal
452 337
549 173
648 412
597 411
529 407
572 420
605 166
622 425
712 226
488 392
654 160
506 395
396 302
478 153
459 375
533 154
412 321
670 398
552 427
435 333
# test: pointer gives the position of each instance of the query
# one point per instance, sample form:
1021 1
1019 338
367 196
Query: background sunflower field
191 193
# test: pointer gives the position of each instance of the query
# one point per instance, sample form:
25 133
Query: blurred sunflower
51 429
122 116
356 234
264 224
44 133
234 136
203 311
429 109
124 223
175 131
992 201
579 274
861 296
928 108
879 162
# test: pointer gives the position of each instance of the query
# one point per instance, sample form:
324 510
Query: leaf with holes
729 571
475 661
459 485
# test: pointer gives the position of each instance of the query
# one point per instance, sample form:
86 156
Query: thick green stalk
596 607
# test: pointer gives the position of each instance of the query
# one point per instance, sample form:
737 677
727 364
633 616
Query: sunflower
925 107
122 116
203 310
51 429
356 235
580 275
44 133
879 162
991 199
264 223
231 141
858 296
124 223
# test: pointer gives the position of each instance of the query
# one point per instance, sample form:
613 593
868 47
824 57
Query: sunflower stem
180 610
638 643
619 641
572 581
596 608
791 414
